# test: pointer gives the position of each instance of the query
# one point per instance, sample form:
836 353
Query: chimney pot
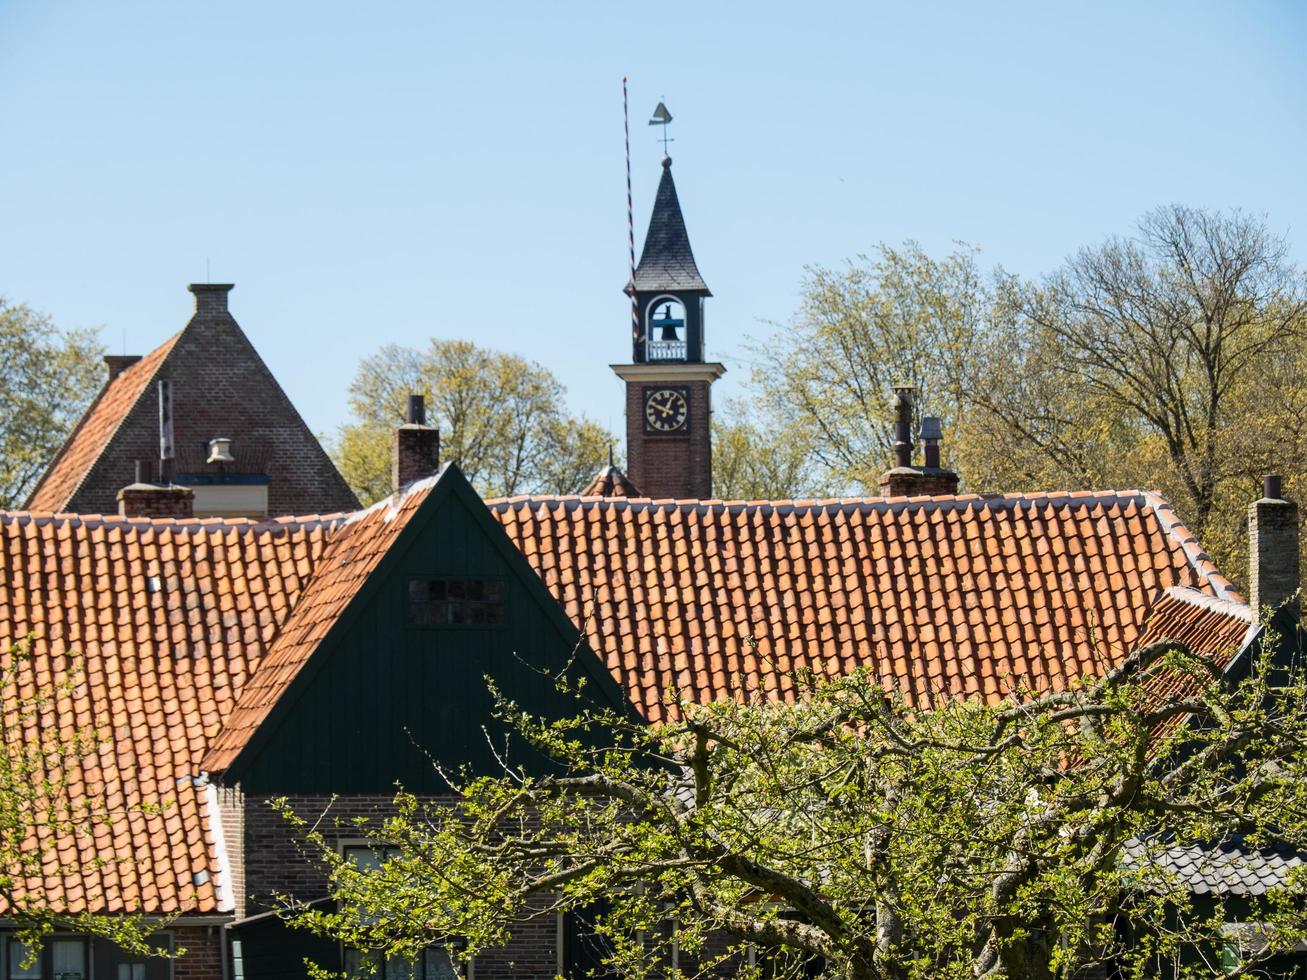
903 425
1273 549
904 479
414 447
417 410
210 297
118 363
932 431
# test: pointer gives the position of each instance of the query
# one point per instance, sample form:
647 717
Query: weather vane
661 117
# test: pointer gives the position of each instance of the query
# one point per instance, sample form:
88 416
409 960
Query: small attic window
455 602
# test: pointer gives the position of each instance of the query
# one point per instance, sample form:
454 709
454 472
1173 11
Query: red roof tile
942 595
958 595
94 430
610 482
131 613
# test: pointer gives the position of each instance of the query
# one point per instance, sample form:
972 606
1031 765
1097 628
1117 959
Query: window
434 964
455 602
69 960
368 857
61 959
19 967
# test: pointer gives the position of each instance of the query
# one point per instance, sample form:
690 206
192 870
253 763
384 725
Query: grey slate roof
666 261
1230 868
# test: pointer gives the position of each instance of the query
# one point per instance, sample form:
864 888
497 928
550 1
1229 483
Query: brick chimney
210 297
1273 548
118 363
145 499
906 480
414 447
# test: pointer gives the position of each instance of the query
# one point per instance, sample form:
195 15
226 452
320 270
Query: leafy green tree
43 809
501 418
1166 360
751 462
47 378
862 834
824 379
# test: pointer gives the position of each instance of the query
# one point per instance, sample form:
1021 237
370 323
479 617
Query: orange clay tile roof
710 599
94 430
158 626
701 600
610 482
1211 627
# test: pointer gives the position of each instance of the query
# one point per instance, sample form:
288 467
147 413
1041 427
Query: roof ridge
1213 603
173 523
884 504
1198 559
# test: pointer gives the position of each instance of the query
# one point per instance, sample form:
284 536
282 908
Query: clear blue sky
376 172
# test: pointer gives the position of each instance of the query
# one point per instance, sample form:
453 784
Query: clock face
666 409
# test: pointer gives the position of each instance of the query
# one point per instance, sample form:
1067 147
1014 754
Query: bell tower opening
668 382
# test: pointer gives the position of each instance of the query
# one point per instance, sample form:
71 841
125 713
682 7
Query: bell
669 325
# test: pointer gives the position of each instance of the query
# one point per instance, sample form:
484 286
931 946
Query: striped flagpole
630 227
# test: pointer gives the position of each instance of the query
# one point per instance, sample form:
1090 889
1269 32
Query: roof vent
220 451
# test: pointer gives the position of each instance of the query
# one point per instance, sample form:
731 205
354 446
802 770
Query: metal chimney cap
220 451
932 428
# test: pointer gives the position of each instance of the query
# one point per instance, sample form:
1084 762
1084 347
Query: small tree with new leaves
48 819
864 833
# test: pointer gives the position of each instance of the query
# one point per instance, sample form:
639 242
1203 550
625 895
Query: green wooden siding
382 694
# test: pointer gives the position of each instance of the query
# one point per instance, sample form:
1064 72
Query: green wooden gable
382 698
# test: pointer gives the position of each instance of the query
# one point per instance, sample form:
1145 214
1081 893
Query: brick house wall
274 863
203 957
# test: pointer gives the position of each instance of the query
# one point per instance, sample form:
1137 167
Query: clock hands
666 410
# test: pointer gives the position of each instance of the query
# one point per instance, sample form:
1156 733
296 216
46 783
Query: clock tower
668 382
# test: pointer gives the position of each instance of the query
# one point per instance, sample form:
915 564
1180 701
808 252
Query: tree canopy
47 377
859 832
502 419
1167 360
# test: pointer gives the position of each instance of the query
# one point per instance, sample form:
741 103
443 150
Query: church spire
667 263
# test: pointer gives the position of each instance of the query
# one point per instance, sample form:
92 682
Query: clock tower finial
668 406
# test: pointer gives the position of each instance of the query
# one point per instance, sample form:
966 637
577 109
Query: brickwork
414 454
671 466
275 864
918 481
149 500
1273 552
220 388
203 957
231 813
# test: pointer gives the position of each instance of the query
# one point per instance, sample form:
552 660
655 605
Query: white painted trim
226 896
669 371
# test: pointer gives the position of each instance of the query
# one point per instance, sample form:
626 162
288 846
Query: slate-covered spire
667 262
